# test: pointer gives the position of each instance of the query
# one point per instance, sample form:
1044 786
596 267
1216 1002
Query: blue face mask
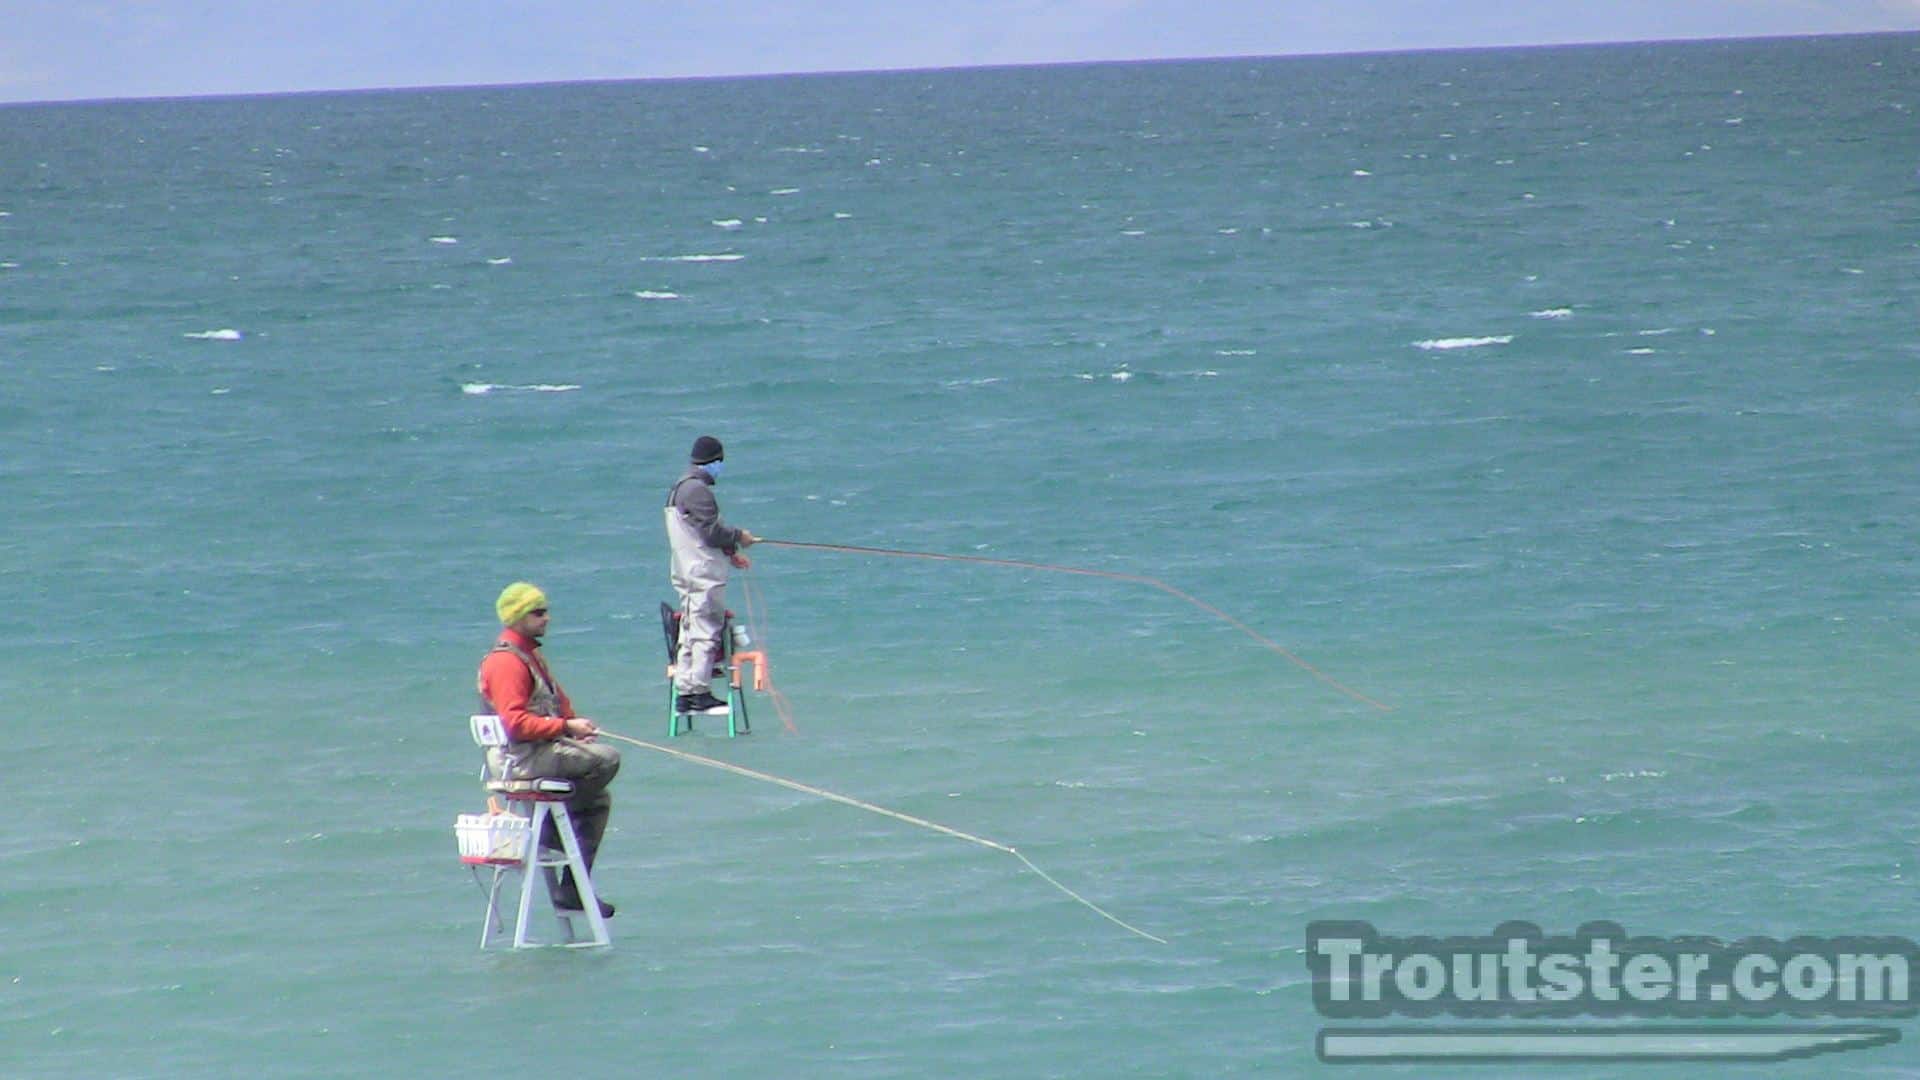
713 468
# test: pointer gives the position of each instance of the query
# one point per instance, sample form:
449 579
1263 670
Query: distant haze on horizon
93 49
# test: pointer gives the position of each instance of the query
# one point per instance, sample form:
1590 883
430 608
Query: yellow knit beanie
516 600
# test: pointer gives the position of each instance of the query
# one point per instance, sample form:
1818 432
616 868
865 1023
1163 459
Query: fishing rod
1138 579
848 800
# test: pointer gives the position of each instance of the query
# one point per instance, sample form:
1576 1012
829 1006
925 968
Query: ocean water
1565 400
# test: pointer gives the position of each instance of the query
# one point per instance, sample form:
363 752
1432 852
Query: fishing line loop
848 800
1138 579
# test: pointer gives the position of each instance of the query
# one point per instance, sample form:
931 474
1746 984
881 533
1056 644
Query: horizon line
233 95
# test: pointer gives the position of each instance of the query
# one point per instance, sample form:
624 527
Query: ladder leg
493 925
582 881
530 870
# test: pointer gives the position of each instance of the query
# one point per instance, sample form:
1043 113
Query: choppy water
1563 398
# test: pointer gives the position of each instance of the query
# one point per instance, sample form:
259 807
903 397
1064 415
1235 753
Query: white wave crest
478 388
727 223
1463 342
443 239
1552 313
784 191
1234 352
650 294
692 258
228 334
500 262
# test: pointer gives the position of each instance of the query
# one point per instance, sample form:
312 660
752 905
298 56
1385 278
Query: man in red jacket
548 739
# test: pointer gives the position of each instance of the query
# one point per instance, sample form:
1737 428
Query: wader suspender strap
674 491
543 698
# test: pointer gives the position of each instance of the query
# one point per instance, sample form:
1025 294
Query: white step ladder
508 842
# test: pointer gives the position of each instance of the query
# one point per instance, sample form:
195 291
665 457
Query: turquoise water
1564 399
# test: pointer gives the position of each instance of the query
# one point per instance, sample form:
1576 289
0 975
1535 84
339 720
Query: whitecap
1552 313
500 262
1463 342
692 258
1851 270
727 223
1120 376
228 334
841 215
1361 172
1655 333
650 294
219 390
443 239
9 266
1639 352
785 191
702 150
1226 232
1234 352
1133 232
478 388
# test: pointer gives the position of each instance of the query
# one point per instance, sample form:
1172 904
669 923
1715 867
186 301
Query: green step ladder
733 652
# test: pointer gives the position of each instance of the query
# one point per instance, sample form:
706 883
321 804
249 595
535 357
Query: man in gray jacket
703 546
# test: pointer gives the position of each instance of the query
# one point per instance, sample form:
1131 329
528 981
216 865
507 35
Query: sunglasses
538 611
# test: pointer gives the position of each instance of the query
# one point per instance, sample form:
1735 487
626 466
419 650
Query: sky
52 50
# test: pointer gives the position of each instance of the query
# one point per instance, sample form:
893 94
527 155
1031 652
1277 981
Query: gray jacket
693 497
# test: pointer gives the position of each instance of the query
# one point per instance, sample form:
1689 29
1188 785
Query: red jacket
507 683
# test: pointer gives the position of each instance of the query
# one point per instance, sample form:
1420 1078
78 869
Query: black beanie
707 449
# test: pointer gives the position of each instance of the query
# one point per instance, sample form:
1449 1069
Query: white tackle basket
492 839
